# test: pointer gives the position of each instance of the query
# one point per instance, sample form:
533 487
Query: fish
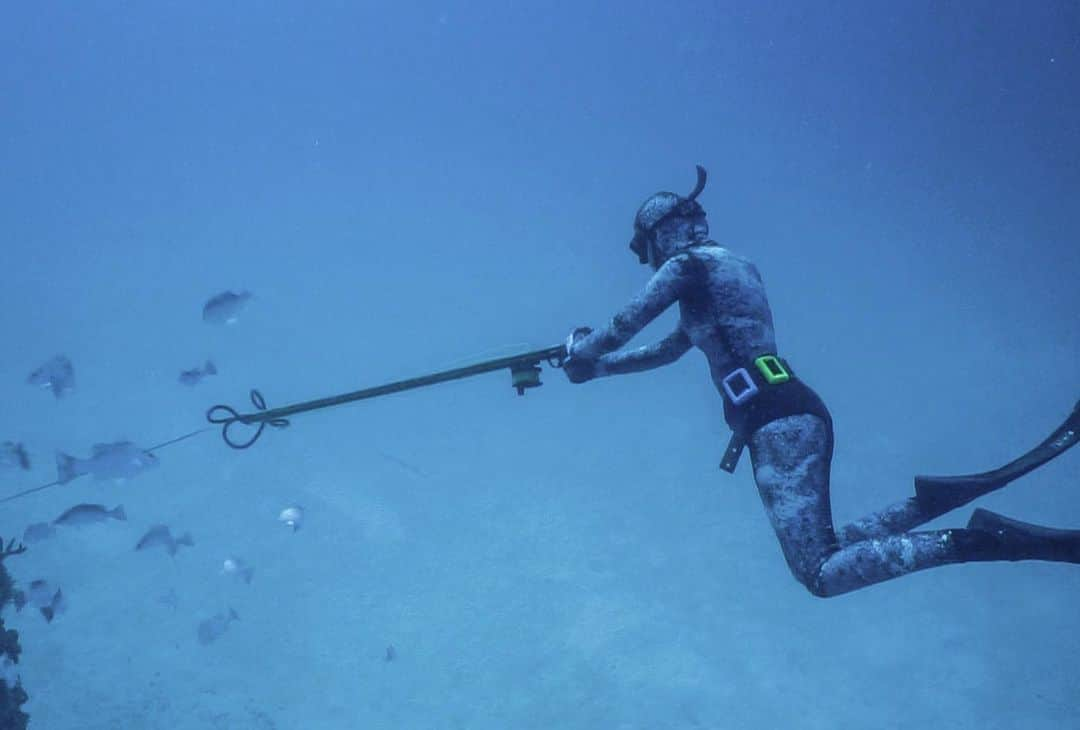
211 629
196 375
162 535
237 569
293 516
417 471
57 375
13 455
38 532
89 514
41 595
224 308
118 460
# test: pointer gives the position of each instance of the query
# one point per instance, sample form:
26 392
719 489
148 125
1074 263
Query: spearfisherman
724 312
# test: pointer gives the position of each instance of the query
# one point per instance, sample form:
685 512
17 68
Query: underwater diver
724 312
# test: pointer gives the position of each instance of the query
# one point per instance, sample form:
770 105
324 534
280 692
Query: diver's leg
895 519
791 460
936 496
791 468
988 537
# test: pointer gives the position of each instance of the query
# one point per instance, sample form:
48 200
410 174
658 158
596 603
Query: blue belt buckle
747 388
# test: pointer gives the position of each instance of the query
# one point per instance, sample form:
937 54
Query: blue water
415 188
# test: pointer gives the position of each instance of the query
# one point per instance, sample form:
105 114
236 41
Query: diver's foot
1026 541
943 494
939 495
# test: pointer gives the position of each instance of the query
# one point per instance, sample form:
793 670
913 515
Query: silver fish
89 514
224 308
41 595
57 375
196 375
212 628
119 460
162 535
13 455
237 569
293 516
38 532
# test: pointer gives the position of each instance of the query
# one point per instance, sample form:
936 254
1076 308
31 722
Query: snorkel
657 209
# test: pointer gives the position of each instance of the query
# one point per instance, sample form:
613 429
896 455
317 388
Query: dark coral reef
12 698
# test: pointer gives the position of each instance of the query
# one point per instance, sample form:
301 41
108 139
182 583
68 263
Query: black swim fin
1025 541
947 493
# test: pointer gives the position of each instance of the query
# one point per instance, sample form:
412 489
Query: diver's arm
660 293
664 352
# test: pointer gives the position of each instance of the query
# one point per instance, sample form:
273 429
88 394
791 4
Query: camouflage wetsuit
724 312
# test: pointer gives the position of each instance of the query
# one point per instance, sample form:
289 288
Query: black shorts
773 402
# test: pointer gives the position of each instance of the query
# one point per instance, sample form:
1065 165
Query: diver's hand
579 333
578 369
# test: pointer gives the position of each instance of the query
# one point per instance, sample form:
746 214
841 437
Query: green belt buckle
772 369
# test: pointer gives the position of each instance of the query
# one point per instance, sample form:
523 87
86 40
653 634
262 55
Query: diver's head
667 223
